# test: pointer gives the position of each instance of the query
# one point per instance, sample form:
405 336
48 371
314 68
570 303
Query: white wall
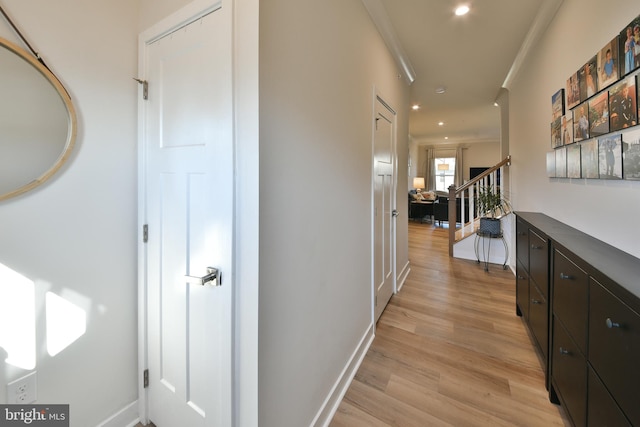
603 209
414 156
76 235
319 63
153 11
480 154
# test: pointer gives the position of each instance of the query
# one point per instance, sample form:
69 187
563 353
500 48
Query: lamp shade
418 182
443 167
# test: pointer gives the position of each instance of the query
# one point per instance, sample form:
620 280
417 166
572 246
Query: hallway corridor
449 350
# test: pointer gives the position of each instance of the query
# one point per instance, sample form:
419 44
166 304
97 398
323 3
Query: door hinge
376 301
145 233
145 378
145 87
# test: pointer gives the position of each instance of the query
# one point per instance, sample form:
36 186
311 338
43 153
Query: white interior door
188 187
384 207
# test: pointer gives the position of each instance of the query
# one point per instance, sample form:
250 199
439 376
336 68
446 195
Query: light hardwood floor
449 350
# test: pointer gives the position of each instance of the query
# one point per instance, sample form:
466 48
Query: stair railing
491 179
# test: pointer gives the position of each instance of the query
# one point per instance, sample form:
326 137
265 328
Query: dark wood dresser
580 299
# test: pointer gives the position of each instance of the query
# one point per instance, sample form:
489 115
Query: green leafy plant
490 203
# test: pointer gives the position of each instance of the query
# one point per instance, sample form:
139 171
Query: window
444 168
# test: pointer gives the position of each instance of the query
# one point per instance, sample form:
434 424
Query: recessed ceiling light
440 123
446 137
441 89
415 107
462 10
495 104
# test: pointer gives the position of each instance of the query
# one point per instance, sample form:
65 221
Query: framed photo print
599 114
610 157
561 163
573 161
557 105
638 93
556 133
631 155
581 122
608 72
589 159
567 129
629 50
551 164
587 78
582 84
573 91
623 104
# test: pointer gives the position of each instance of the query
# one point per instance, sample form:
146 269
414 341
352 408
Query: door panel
384 205
188 148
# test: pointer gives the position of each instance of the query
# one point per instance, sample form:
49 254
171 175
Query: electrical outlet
22 390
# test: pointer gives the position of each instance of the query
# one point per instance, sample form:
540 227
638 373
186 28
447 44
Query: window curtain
429 171
458 178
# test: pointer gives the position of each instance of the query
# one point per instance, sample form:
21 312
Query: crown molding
381 20
545 15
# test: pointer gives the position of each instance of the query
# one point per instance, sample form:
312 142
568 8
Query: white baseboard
339 389
126 417
402 277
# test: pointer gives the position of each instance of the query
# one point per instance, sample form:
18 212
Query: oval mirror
37 122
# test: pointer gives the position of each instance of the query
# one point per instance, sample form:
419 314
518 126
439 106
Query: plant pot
490 226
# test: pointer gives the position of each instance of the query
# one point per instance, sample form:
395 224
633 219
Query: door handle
212 277
395 212
611 324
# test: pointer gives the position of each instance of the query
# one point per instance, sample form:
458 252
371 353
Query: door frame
245 98
377 97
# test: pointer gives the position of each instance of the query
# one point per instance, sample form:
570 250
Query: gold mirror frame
71 119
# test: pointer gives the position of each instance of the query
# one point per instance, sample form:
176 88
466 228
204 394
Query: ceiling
470 56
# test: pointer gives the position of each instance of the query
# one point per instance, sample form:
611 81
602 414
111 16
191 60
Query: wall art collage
592 119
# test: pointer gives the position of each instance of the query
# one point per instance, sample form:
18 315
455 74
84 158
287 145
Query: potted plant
491 207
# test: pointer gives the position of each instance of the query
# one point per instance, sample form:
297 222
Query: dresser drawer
522 243
569 374
602 409
539 261
614 348
522 291
539 318
570 298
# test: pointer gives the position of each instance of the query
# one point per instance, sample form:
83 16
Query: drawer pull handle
564 351
520 277
565 276
536 247
535 301
611 324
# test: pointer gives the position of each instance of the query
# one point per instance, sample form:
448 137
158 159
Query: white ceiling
470 55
